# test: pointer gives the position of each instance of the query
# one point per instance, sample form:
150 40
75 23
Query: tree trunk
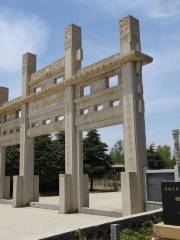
91 184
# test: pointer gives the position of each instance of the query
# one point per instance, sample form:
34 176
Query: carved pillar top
73 51
4 93
129 34
28 67
175 133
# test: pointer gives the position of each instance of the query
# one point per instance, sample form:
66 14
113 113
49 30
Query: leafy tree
117 153
12 160
165 152
12 163
49 160
57 150
96 159
154 159
160 157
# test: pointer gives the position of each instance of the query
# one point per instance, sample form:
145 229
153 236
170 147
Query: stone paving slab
34 223
106 201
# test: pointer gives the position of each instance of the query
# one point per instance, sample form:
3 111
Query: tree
12 163
160 157
96 159
49 160
12 160
117 153
154 159
165 152
57 150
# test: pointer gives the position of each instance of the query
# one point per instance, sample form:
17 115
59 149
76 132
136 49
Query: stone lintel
89 72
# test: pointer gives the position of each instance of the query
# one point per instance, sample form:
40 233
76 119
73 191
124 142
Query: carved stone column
2 171
175 134
4 92
132 180
69 196
23 191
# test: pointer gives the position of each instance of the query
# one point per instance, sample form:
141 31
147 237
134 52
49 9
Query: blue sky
38 26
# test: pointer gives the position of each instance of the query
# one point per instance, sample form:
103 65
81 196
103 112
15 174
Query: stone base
163 231
151 205
36 189
18 191
5 187
68 194
101 212
86 190
44 205
131 203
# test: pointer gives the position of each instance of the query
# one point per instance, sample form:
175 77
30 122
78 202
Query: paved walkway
107 201
34 223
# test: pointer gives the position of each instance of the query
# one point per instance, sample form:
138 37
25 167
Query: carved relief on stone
50 71
99 84
68 132
176 146
129 129
129 29
40 104
68 37
125 30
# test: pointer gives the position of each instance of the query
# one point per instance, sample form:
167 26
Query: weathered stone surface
53 99
4 92
134 124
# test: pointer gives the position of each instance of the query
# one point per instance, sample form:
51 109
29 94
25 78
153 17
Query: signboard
171 202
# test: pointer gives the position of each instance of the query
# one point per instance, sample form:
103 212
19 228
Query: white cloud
163 104
152 8
19 33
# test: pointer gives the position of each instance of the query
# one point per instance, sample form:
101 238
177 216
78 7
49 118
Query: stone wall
102 231
154 178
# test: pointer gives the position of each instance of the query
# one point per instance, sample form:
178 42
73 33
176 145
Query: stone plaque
171 202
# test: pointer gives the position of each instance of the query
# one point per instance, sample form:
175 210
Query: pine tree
49 160
96 159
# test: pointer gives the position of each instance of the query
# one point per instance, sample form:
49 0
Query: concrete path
107 201
34 223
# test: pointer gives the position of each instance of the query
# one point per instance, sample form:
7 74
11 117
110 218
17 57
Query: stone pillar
28 67
82 179
25 183
4 93
2 171
175 133
132 181
68 182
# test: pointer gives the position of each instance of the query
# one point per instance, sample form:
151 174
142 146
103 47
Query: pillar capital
4 94
129 34
72 37
73 51
28 67
175 132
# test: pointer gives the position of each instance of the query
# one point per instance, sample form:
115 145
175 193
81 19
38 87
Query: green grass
143 233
